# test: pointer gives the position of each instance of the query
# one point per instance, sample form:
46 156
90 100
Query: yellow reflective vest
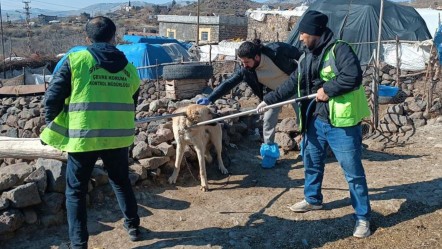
347 109
99 114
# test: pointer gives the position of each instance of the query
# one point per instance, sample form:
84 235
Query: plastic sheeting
357 22
151 39
412 56
143 55
260 14
224 49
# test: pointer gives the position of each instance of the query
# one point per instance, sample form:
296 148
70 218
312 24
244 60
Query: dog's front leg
179 157
200 151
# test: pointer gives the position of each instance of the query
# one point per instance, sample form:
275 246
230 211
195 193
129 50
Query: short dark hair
100 29
250 49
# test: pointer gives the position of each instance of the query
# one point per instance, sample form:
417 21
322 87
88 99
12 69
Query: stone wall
272 28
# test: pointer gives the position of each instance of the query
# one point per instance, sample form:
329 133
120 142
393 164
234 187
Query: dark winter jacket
348 78
106 55
283 55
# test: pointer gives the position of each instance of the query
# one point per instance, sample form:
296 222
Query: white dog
201 137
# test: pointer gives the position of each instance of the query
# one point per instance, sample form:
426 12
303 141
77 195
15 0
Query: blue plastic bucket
388 91
268 162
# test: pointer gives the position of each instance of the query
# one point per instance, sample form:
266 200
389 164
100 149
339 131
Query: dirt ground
249 207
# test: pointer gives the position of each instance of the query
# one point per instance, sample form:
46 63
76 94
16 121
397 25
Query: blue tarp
139 54
60 62
143 54
438 42
151 39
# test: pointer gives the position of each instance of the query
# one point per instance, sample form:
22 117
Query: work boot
303 206
133 232
362 229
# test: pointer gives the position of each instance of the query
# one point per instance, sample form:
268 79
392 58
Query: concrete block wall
273 28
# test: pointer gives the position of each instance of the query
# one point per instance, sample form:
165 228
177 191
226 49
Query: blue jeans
346 144
78 174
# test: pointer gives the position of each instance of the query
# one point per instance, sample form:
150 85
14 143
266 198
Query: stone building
212 29
272 25
272 28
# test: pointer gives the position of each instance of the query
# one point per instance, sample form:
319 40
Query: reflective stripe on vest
89 121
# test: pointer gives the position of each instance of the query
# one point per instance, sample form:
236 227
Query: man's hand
261 107
321 96
203 101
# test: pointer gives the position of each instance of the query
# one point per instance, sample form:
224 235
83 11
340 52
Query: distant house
211 28
84 17
44 19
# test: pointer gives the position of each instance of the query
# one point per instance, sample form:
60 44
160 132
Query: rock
52 203
166 149
284 141
30 215
23 196
288 125
389 128
154 162
99 176
398 120
141 150
396 109
56 173
4 203
133 177
8 181
419 122
39 177
140 170
11 220
49 220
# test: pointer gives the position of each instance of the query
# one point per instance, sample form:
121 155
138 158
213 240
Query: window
171 33
204 34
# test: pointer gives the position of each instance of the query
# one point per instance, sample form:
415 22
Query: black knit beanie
313 23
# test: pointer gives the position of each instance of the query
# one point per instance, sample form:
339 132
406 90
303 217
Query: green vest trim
89 122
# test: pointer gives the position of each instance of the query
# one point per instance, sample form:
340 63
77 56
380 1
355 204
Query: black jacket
284 56
348 78
106 55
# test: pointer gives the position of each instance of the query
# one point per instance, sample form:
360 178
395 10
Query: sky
66 4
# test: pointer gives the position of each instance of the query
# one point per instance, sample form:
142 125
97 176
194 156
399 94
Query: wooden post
375 93
210 54
398 64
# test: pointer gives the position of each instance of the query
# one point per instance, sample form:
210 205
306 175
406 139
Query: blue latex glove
203 101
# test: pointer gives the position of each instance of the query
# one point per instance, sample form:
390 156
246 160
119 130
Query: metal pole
3 43
254 111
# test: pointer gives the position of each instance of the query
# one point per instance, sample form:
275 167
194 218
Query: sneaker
362 229
133 232
304 206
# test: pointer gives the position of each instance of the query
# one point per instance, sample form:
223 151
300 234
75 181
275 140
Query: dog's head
198 113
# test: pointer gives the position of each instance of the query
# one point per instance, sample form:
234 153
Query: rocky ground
249 207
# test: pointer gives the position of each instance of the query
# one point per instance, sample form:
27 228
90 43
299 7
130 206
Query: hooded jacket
106 55
283 55
348 79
